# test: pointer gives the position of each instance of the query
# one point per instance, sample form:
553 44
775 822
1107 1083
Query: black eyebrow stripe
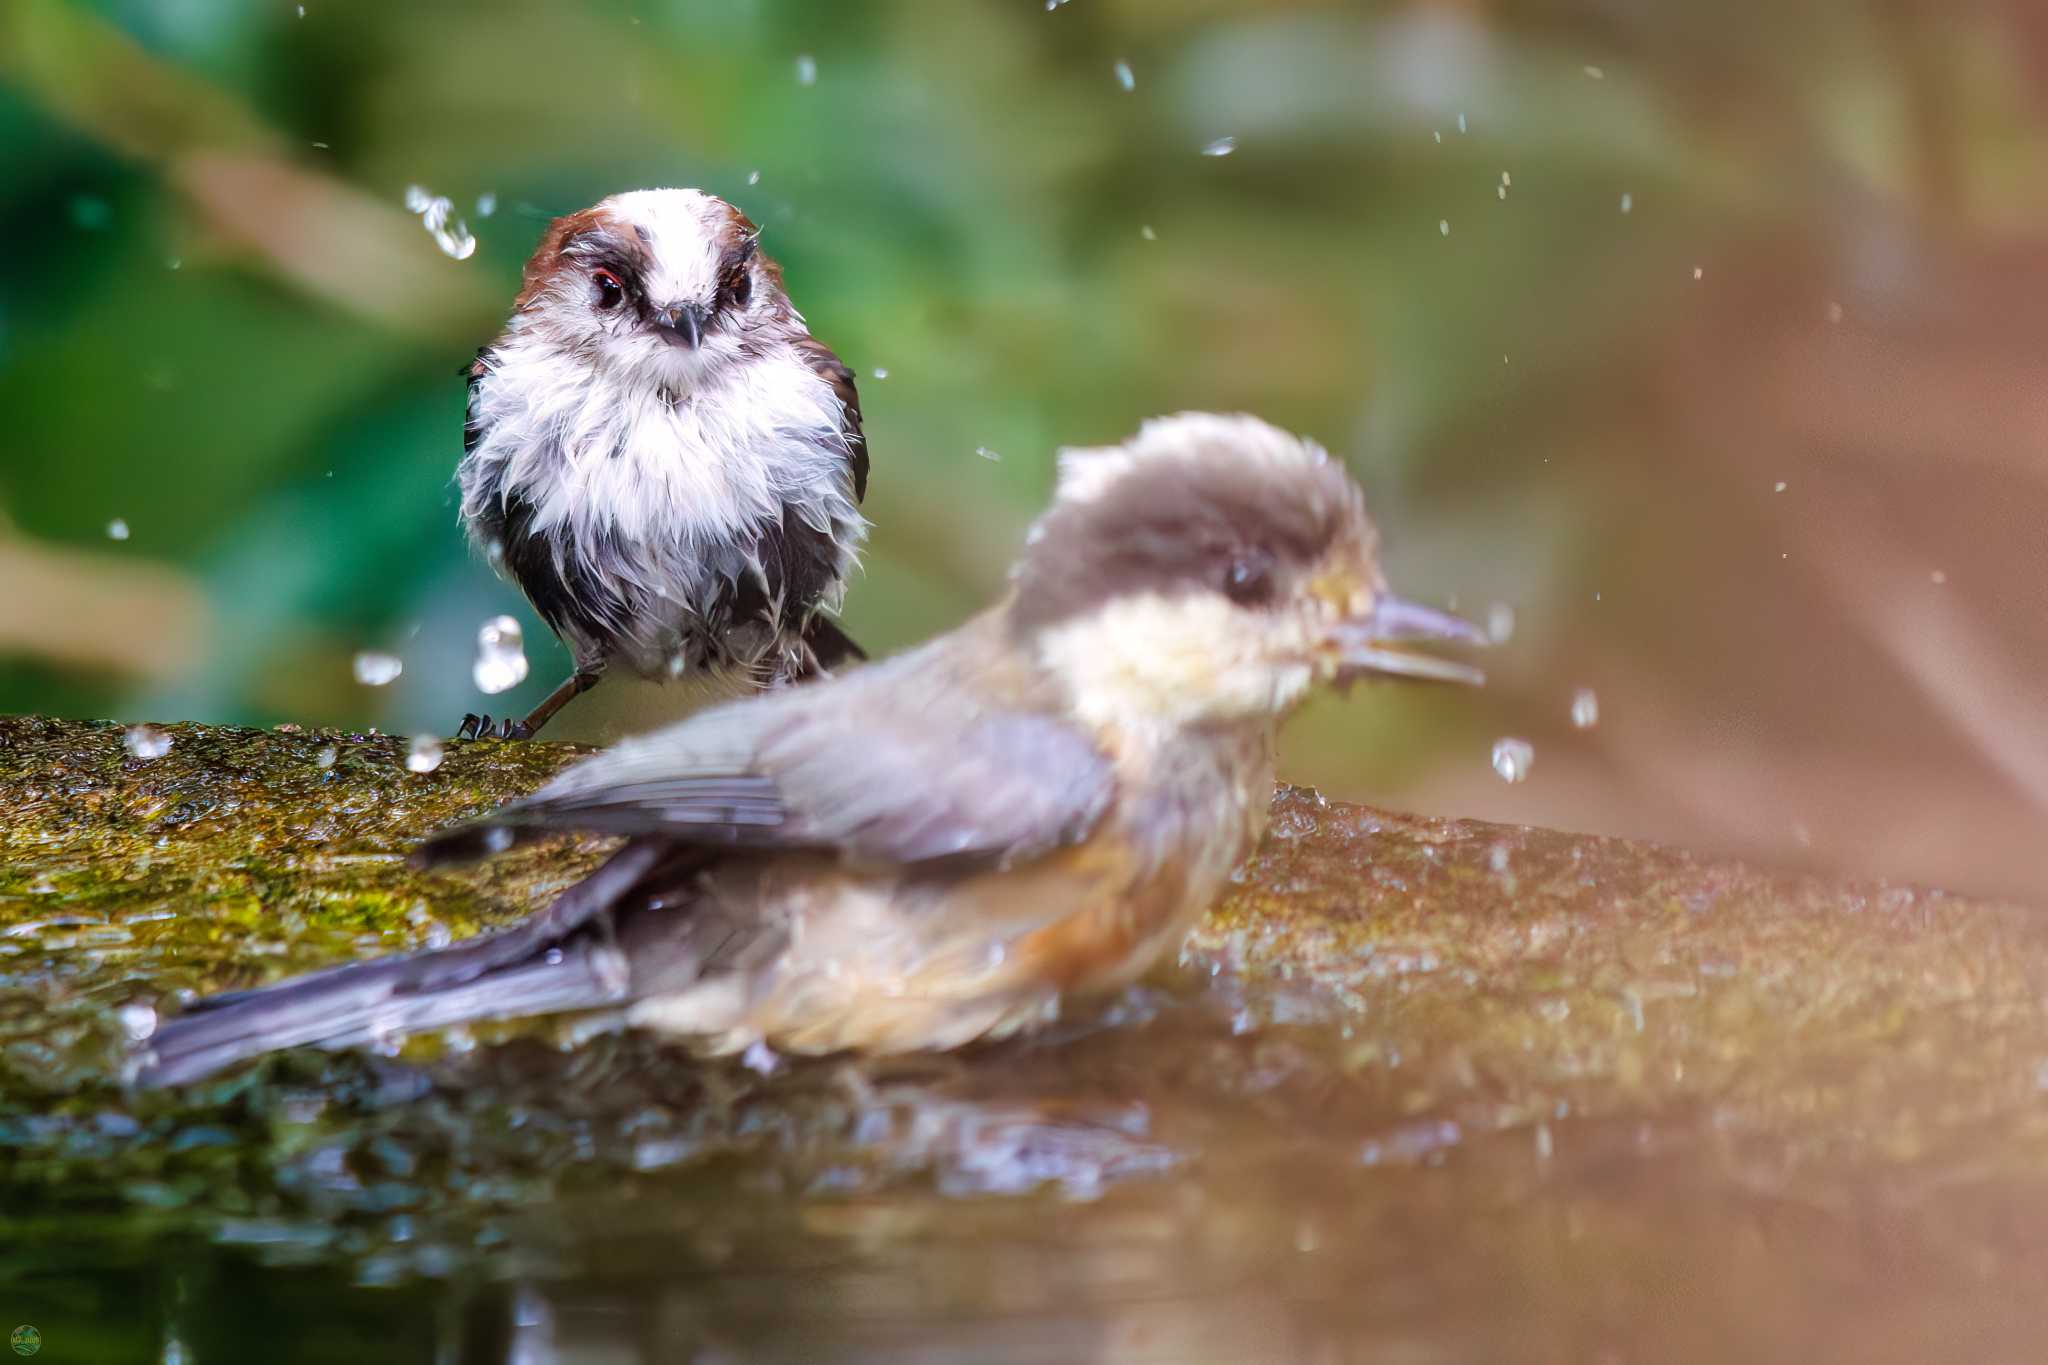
601 248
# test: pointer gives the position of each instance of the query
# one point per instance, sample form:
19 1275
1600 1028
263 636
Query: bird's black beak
1362 643
680 324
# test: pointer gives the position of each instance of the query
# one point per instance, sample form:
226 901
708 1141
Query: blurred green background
1708 339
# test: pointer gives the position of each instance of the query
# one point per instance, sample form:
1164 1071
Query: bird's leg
483 727
579 682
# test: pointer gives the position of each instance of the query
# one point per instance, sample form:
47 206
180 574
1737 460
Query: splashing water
1585 708
1125 77
1512 758
117 529
988 454
426 754
486 204
1222 146
145 742
1500 623
1628 202
500 655
433 211
1443 227
138 1021
806 69
377 669
881 371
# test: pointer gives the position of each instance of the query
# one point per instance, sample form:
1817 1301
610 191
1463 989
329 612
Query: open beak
681 325
1363 644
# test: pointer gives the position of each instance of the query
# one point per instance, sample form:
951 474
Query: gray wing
866 764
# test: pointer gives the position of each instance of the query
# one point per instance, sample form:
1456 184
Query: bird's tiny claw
515 729
472 725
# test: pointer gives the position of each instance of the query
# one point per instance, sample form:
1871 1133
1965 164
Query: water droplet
806 69
486 204
987 454
1461 123
1222 146
1834 312
145 742
1698 272
1938 577
1506 179
1512 757
1437 133
881 371
433 211
500 656
1124 75
138 1020
1585 708
1628 202
1443 227
1497 857
1500 623
1778 487
761 1058
1501 190
325 758
1147 233
1595 72
753 177
117 529
376 669
426 754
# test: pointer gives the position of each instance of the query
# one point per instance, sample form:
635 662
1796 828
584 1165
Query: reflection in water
619 1203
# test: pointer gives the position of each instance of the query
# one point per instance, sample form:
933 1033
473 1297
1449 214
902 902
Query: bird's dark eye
1249 581
609 289
735 280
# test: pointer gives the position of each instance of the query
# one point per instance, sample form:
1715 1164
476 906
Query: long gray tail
565 958
367 1002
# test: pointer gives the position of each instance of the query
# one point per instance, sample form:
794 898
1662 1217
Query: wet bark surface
1421 1088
